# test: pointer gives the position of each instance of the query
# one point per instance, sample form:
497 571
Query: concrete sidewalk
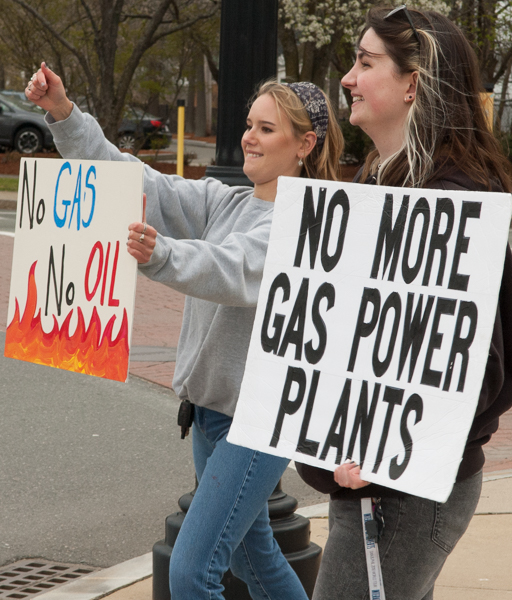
478 568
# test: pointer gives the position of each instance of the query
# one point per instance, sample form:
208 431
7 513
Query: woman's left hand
141 238
347 475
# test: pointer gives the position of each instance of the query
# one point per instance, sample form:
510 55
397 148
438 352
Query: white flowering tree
310 32
317 33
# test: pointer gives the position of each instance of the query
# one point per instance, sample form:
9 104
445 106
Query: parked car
138 128
22 124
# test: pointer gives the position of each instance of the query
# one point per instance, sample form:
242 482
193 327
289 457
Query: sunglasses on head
403 9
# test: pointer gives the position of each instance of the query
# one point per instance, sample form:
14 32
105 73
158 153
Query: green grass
8 184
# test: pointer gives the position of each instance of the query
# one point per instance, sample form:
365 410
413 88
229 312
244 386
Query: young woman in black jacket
416 92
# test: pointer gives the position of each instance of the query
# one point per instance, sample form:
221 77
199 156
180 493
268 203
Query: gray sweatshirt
211 246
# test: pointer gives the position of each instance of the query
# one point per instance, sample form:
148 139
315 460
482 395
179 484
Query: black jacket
495 395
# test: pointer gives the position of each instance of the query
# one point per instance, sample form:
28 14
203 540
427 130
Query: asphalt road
89 468
7 221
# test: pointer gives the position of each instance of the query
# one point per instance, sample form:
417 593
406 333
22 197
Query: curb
102 583
197 143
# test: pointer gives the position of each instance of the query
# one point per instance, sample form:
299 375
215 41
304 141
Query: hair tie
316 106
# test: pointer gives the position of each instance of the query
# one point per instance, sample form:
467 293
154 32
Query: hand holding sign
348 475
141 238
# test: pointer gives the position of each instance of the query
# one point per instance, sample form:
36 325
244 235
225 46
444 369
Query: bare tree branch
79 55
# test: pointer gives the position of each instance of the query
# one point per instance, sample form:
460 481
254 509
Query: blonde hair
323 162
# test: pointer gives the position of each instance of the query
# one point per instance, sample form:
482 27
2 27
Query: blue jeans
227 525
418 536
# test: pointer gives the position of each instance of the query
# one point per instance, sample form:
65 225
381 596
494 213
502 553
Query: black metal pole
248 56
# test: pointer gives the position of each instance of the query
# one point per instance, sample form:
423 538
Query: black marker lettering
339 198
394 397
336 436
392 236
392 302
470 210
271 343
414 332
363 328
287 406
439 241
294 333
313 355
311 224
461 345
305 446
363 421
444 306
415 403
420 208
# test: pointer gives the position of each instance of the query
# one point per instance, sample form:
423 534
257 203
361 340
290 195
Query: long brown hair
322 162
446 124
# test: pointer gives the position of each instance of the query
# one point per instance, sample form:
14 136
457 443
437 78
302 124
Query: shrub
357 143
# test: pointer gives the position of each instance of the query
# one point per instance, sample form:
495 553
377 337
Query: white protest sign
73 282
373 328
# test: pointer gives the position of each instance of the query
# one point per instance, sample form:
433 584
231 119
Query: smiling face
381 97
270 147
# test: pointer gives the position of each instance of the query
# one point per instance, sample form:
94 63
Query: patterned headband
315 105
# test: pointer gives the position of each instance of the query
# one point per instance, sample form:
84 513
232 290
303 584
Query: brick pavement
157 322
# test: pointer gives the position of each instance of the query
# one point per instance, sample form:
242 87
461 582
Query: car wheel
28 140
126 141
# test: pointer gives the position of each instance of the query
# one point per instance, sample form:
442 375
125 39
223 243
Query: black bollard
291 531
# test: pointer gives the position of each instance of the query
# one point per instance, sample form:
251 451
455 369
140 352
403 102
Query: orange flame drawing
82 352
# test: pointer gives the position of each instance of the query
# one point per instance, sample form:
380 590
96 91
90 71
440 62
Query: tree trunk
290 51
208 95
190 110
334 89
308 61
154 104
200 120
503 98
321 60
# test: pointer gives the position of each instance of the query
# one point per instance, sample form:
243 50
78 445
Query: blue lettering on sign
90 186
60 221
78 198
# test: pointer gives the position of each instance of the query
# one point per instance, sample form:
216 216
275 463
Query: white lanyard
372 555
